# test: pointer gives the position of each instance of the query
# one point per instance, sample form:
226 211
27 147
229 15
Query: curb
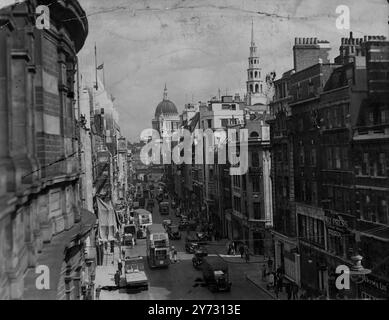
260 287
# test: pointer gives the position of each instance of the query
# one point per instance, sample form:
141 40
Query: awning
377 232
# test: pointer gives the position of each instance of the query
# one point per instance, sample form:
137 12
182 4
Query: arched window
251 74
251 88
254 134
256 74
256 87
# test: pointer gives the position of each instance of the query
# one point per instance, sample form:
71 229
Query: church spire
165 93
252 33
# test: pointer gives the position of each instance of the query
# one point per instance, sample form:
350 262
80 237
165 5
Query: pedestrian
117 278
295 291
120 266
288 289
270 281
97 294
247 254
241 250
228 248
174 252
280 281
123 254
263 271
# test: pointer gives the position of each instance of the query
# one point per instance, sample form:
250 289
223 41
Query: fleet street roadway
179 280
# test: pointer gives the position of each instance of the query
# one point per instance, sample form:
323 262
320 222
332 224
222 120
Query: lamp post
358 272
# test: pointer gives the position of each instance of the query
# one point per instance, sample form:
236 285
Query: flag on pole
100 67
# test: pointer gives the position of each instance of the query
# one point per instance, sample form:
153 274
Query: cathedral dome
166 107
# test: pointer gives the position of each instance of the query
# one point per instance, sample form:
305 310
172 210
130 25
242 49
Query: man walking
117 278
247 253
241 251
174 252
120 266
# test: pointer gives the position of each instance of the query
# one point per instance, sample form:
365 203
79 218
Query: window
314 193
365 163
255 182
313 157
301 156
209 123
329 158
257 211
383 213
303 191
224 122
301 125
255 159
337 158
345 162
371 117
256 88
381 165
384 116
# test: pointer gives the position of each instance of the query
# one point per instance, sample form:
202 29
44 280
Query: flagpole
97 86
103 75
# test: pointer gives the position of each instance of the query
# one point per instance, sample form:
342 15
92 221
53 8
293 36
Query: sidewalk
256 279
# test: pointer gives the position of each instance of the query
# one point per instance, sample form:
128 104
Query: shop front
314 271
286 256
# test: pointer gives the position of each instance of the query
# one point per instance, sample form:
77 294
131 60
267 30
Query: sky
199 46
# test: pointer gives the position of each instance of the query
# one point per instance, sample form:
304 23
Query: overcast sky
198 46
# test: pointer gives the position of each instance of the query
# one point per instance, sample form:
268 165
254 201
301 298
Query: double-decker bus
143 219
157 243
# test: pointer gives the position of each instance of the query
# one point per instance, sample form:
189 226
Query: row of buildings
316 191
329 142
60 147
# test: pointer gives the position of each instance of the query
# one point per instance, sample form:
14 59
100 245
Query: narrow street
178 281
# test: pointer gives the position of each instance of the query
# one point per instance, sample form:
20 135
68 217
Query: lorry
143 219
129 234
215 273
157 246
135 276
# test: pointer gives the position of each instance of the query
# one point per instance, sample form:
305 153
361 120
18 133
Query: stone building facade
39 150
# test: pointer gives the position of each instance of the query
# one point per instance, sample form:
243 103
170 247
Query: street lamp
358 272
